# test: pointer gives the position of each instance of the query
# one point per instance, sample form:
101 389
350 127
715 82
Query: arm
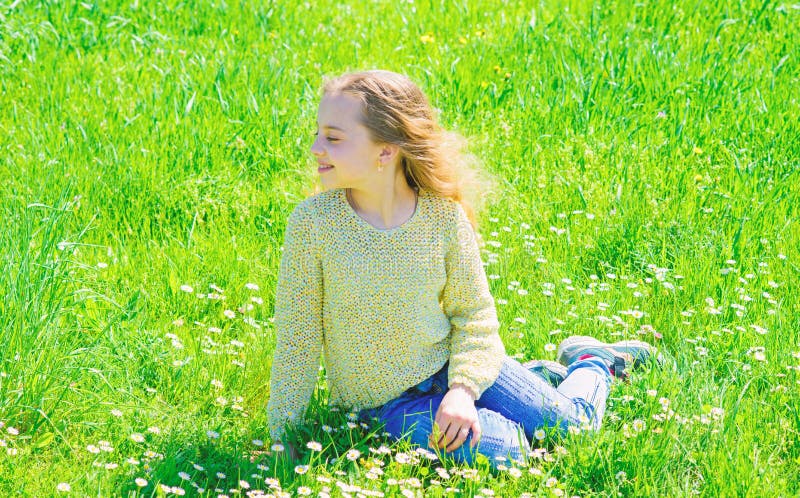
298 323
476 350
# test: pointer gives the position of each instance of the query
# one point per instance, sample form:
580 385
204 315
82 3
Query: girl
382 273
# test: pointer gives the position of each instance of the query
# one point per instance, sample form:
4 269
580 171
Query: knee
499 450
502 439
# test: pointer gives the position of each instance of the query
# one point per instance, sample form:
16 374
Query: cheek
339 150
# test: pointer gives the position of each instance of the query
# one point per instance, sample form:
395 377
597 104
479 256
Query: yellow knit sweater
386 307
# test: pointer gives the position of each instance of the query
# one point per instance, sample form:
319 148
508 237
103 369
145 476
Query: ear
389 152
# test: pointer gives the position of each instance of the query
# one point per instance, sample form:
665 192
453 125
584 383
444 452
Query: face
344 145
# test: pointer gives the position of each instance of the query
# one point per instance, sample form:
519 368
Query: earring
380 166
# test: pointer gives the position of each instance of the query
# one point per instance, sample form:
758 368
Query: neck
389 205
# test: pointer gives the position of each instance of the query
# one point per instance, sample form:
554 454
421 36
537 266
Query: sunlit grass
150 152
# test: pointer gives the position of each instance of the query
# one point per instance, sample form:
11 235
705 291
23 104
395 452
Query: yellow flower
480 33
697 150
427 39
462 40
484 84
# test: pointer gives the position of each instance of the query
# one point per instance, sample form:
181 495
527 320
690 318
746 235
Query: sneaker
619 355
550 371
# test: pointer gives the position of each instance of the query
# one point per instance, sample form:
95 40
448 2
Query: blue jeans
509 411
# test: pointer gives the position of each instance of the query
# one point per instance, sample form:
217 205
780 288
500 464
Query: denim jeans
509 411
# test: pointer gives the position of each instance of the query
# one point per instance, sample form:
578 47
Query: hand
454 419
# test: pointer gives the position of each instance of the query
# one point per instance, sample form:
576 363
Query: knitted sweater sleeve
298 323
476 350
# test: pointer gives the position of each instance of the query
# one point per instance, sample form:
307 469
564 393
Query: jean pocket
435 384
423 387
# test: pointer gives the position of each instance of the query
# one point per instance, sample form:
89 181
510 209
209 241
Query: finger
463 433
442 439
437 421
450 436
476 433
436 435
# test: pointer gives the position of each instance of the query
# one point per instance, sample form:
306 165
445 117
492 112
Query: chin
329 185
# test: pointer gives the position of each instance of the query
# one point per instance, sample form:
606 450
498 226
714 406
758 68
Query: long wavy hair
396 111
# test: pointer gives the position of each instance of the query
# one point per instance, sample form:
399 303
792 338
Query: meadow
647 158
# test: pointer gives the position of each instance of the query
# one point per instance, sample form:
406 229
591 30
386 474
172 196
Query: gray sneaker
550 371
618 355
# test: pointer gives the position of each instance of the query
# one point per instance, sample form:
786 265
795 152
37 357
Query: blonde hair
396 111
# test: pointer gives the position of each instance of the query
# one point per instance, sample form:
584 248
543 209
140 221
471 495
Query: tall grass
150 152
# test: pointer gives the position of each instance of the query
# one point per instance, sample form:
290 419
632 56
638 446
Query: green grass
649 166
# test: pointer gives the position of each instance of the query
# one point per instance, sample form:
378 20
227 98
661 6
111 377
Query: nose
315 147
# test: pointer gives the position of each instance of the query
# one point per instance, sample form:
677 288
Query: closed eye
330 139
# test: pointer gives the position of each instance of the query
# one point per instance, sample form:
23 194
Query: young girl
382 274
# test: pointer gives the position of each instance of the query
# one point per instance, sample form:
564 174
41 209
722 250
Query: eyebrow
330 127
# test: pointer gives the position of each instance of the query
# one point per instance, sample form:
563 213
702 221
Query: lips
324 167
